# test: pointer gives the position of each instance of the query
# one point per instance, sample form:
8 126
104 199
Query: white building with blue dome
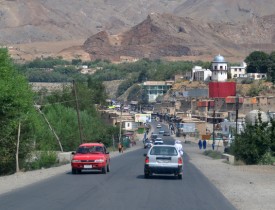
219 69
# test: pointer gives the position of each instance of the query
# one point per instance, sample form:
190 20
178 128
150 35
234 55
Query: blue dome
219 59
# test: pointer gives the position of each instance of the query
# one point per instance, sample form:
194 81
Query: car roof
164 145
91 144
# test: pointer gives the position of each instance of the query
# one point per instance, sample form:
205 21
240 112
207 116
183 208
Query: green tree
16 102
135 93
271 67
253 143
98 91
257 62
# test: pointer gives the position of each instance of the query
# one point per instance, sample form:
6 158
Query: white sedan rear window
170 151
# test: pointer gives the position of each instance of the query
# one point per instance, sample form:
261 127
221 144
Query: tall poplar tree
16 106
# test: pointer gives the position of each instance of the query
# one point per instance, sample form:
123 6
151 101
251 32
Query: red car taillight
146 159
180 161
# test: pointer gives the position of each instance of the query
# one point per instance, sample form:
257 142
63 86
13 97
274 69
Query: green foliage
144 70
65 123
213 154
267 159
135 93
44 159
257 62
256 88
76 62
261 62
61 113
247 81
272 136
253 143
50 70
16 107
98 92
48 62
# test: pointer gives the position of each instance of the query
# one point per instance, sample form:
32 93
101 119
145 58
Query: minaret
219 69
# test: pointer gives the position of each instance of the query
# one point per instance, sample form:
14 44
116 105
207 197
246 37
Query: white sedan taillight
146 160
180 161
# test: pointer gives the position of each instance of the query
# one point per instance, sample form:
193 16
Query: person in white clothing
179 147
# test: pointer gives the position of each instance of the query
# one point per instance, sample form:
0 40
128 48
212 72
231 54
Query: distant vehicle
154 136
158 141
161 131
163 159
158 125
91 156
166 133
148 143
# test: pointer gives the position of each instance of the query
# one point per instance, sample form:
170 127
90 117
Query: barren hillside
165 35
35 22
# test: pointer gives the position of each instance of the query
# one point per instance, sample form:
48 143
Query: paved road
123 188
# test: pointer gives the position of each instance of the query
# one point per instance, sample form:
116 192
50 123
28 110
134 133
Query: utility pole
213 118
237 112
17 148
214 113
78 115
56 136
120 124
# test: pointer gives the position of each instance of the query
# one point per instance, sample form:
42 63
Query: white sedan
158 125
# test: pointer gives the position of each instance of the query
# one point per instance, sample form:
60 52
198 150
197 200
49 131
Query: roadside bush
253 143
45 159
213 154
267 159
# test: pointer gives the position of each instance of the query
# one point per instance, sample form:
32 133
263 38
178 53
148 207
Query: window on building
221 68
235 69
215 67
128 124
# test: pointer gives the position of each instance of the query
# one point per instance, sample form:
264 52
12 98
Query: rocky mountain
37 27
165 35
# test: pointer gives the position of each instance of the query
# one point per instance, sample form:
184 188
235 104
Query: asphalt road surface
123 188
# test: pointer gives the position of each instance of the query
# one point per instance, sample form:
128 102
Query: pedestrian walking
204 144
200 143
179 147
213 145
119 147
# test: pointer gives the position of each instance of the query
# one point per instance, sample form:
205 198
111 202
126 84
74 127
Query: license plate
88 166
163 161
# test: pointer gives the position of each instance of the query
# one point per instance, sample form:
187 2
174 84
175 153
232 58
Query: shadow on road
162 177
86 173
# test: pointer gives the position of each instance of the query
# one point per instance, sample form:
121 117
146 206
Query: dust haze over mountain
239 24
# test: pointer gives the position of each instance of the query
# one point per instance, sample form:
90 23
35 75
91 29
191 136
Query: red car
91 156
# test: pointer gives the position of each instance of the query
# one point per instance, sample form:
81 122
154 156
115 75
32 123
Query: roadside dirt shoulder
246 187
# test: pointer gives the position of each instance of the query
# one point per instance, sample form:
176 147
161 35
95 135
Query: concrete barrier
229 158
64 157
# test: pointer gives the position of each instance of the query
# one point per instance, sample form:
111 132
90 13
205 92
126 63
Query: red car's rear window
92 149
